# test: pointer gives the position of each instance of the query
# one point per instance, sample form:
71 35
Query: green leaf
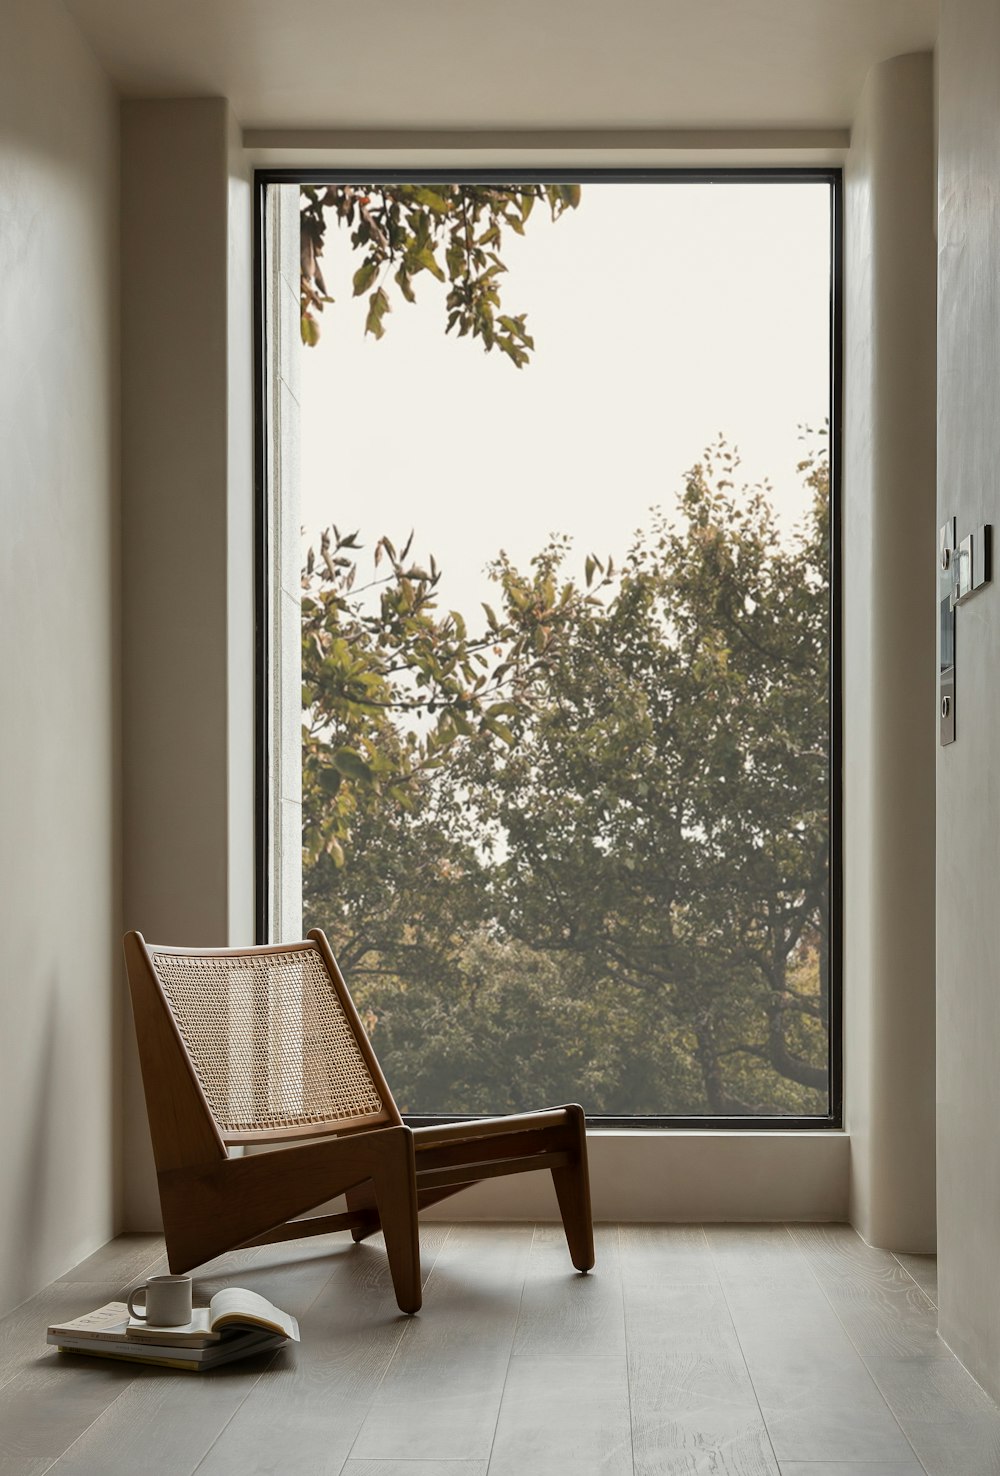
402 797
310 330
429 262
502 732
455 258
352 765
435 202
365 276
378 306
405 285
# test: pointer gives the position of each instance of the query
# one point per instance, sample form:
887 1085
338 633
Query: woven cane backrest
268 1039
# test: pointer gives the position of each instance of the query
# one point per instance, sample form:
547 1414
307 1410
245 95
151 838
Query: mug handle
132 1308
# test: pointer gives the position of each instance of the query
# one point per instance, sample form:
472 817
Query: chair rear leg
395 1186
361 1199
572 1185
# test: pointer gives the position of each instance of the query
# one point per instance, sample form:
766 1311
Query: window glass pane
564 629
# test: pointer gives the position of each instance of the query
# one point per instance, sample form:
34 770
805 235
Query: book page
236 1304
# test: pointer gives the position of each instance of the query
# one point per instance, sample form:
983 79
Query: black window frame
833 1120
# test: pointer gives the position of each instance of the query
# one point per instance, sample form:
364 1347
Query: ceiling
485 64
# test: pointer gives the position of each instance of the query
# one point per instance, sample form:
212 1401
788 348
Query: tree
591 838
664 808
454 232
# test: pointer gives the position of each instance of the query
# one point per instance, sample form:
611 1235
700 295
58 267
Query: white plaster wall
968 815
889 656
187 528
59 956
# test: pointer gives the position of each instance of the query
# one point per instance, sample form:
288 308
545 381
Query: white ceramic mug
168 1301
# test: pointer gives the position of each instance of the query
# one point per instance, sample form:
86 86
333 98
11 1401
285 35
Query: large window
547 632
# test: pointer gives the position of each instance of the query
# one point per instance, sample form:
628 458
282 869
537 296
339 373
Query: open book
234 1309
109 1332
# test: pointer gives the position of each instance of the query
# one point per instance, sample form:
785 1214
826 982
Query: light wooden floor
715 1351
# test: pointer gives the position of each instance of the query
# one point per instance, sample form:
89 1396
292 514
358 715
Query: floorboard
696 1413
719 1350
306 1415
564 1313
564 1416
440 1397
53 1400
122 1263
952 1424
852 1468
923 1269
415 1468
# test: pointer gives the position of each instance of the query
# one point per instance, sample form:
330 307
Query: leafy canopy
454 232
581 843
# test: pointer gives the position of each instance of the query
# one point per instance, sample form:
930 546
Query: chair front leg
394 1182
572 1185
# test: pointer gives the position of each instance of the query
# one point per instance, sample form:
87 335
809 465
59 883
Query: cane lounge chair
264 1047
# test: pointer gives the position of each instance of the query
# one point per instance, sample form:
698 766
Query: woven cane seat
268 1039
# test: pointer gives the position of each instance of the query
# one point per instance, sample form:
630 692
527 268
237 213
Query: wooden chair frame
213 1203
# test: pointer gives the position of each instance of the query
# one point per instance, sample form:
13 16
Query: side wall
889 633
187 532
59 923
968 943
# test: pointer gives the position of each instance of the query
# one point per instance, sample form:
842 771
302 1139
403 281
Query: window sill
684 1175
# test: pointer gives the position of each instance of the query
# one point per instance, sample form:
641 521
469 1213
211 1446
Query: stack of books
235 1324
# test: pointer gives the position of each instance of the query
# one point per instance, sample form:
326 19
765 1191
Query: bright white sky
663 314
